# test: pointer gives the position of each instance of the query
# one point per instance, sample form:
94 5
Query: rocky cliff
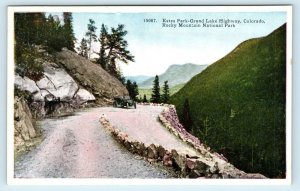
54 93
68 83
24 129
91 76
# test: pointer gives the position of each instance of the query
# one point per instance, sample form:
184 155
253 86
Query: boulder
161 151
190 163
214 169
26 84
201 167
91 76
55 92
29 85
127 145
152 152
180 160
57 82
84 95
167 159
139 147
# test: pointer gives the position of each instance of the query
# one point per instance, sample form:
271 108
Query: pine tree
117 48
30 28
135 92
83 49
132 89
91 35
29 31
68 30
129 87
166 93
145 99
186 121
55 39
155 97
103 46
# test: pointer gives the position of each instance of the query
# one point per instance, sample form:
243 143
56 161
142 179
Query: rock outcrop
91 76
55 92
29 85
24 129
68 83
56 84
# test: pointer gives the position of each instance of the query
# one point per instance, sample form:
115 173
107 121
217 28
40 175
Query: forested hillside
237 105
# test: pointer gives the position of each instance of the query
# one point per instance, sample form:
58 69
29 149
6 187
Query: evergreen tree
83 49
91 36
55 39
145 99
155 97
186 121
29 31
103 46
135 92
68 29
166 93
33 32
117 48
132 88
129 87
30 28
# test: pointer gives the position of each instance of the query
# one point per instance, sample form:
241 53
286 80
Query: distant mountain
237 105
138 79
175 74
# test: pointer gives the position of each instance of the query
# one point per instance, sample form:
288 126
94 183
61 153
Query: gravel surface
78 147
142 124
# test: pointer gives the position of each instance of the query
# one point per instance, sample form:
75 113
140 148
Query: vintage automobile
124 101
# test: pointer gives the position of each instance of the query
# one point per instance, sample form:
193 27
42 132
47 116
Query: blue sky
156 48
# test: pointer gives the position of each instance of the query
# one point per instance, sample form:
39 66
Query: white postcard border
136 9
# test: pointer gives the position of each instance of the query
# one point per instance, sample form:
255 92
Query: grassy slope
238 104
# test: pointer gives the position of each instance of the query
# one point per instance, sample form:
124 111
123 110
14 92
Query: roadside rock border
206 165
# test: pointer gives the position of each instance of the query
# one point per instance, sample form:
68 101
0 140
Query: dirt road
78 147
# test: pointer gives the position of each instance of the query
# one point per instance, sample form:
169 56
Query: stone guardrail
204 165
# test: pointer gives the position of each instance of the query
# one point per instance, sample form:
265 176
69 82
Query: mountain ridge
137 78
175 74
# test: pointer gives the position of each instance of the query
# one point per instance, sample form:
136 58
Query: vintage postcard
149 95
